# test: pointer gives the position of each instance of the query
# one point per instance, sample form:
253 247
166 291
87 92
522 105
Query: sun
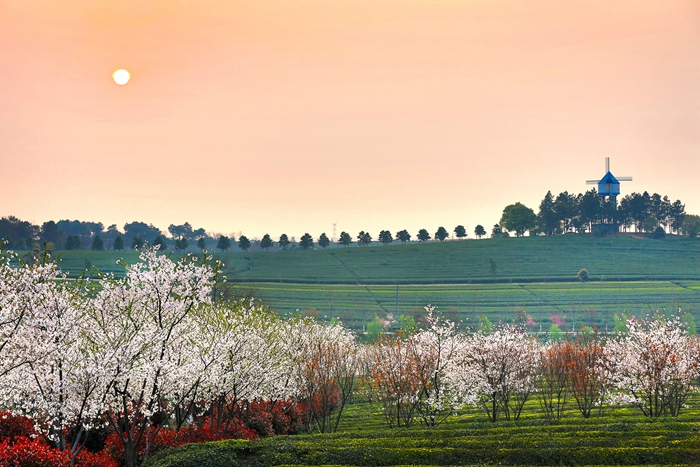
121 77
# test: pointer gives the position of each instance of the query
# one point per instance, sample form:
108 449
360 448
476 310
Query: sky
290 116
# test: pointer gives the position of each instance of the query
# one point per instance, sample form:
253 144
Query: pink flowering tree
147 322
655 365
496 371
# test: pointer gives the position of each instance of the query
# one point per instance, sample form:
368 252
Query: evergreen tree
97 243
423 235
266 242
243 243
224 243
118 243
306 241
385 237
160 242
284 241
345 239
403 236
323 241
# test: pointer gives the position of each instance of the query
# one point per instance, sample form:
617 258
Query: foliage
223 243
385 237
460 231
423 235
583 275
345 239
243 243
323 240
441 234
266 242
479 231
97 243
403 236
306 241
364 238
655 364
284 241
518 218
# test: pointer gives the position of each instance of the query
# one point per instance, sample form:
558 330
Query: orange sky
286 116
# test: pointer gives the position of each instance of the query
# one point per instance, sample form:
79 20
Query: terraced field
617 437
465 279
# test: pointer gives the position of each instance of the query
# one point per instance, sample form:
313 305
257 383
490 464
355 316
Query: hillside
494 260
466 279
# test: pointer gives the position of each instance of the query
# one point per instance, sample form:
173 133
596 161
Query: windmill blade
607 164
592 182
624 179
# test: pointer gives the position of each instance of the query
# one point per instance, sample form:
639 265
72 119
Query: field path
374 297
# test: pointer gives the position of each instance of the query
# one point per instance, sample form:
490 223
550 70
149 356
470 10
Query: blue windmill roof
609 179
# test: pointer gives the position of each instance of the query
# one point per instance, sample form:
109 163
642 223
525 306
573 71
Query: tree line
565 213
591 213
80 235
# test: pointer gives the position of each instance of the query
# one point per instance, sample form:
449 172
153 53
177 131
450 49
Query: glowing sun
121 77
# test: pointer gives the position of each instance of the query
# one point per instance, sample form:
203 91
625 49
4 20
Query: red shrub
88 459
27 452
12 426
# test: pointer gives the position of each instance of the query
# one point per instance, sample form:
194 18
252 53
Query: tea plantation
619 436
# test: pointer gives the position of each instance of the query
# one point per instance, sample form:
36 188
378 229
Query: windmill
609 185
608 189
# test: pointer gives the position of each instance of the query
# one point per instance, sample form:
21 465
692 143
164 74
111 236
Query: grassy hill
496 277
526 259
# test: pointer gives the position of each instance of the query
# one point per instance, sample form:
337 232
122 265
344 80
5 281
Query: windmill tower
608 189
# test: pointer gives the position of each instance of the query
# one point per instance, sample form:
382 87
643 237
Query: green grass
618 437
525 259
589 303
537 275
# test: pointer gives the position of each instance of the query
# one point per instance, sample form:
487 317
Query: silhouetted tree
496 231
547 219
460 231
364 238
266 242
136 243
223 243
385 237
324 241
479 231
423 235
243 243
441 234
181 244
97 243
345 239
284 241
518 218
73 243
306 241
403 236
118 243
202 243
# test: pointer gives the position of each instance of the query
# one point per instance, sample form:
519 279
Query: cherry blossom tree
146 320
496 371
656 363
325 362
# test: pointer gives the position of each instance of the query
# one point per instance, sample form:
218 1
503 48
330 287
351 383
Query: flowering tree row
153 350
153 354
427 375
